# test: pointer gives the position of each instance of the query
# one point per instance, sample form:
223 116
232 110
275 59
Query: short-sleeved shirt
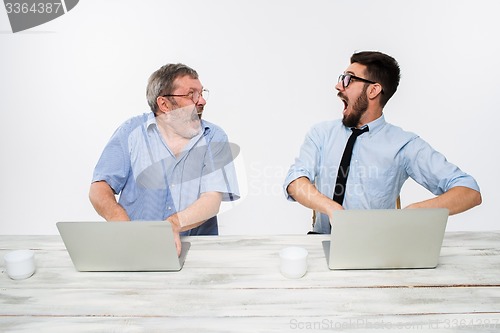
152 182
382 160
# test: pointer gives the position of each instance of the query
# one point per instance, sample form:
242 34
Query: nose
201 100
339 86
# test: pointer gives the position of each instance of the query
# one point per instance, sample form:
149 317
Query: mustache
199 110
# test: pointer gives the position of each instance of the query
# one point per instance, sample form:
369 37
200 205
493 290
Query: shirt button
169 208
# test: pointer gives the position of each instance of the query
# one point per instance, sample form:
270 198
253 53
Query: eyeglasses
346 79
193 95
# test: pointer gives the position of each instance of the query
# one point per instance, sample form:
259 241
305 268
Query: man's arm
305 193
457 199
205 207
103 199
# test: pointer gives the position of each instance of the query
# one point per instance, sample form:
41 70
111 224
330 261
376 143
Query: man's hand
193 216
334 206
176 228
178 244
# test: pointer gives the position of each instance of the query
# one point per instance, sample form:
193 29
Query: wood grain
233 284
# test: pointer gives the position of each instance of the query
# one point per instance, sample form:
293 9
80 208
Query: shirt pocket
379 187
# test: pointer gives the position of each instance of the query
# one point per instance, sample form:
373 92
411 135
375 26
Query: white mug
293 262
20 264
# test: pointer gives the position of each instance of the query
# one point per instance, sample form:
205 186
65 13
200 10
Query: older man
167 164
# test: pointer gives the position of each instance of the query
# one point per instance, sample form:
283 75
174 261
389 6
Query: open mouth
344 100
345 104
199 111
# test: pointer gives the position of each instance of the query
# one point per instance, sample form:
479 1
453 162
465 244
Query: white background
271 67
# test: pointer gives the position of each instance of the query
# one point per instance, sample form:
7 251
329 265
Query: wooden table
233 284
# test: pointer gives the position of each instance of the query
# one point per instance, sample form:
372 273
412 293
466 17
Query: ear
163 104
374 91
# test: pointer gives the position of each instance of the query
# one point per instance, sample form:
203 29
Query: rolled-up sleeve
431 169
306 163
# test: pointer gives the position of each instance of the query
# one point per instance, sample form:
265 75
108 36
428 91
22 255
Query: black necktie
339 191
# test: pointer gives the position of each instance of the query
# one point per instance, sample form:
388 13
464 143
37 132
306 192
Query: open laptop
386 238
122 246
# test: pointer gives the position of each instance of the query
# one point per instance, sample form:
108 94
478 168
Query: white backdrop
271 67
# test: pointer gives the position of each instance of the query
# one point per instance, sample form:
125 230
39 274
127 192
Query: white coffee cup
20 264
293 262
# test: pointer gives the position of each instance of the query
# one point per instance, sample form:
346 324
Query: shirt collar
207 127
151 120
376 125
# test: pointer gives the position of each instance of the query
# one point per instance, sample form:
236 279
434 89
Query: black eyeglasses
346 79
193 95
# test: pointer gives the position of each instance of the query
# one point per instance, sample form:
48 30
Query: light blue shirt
382 160
152 182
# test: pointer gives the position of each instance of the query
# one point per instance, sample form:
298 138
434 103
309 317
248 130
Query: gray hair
161 82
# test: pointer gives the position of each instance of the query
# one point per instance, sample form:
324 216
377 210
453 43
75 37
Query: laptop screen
386 238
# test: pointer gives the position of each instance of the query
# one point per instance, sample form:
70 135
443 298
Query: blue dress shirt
382 160
153 183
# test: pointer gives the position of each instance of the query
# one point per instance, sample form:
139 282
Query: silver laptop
386 238
122 246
